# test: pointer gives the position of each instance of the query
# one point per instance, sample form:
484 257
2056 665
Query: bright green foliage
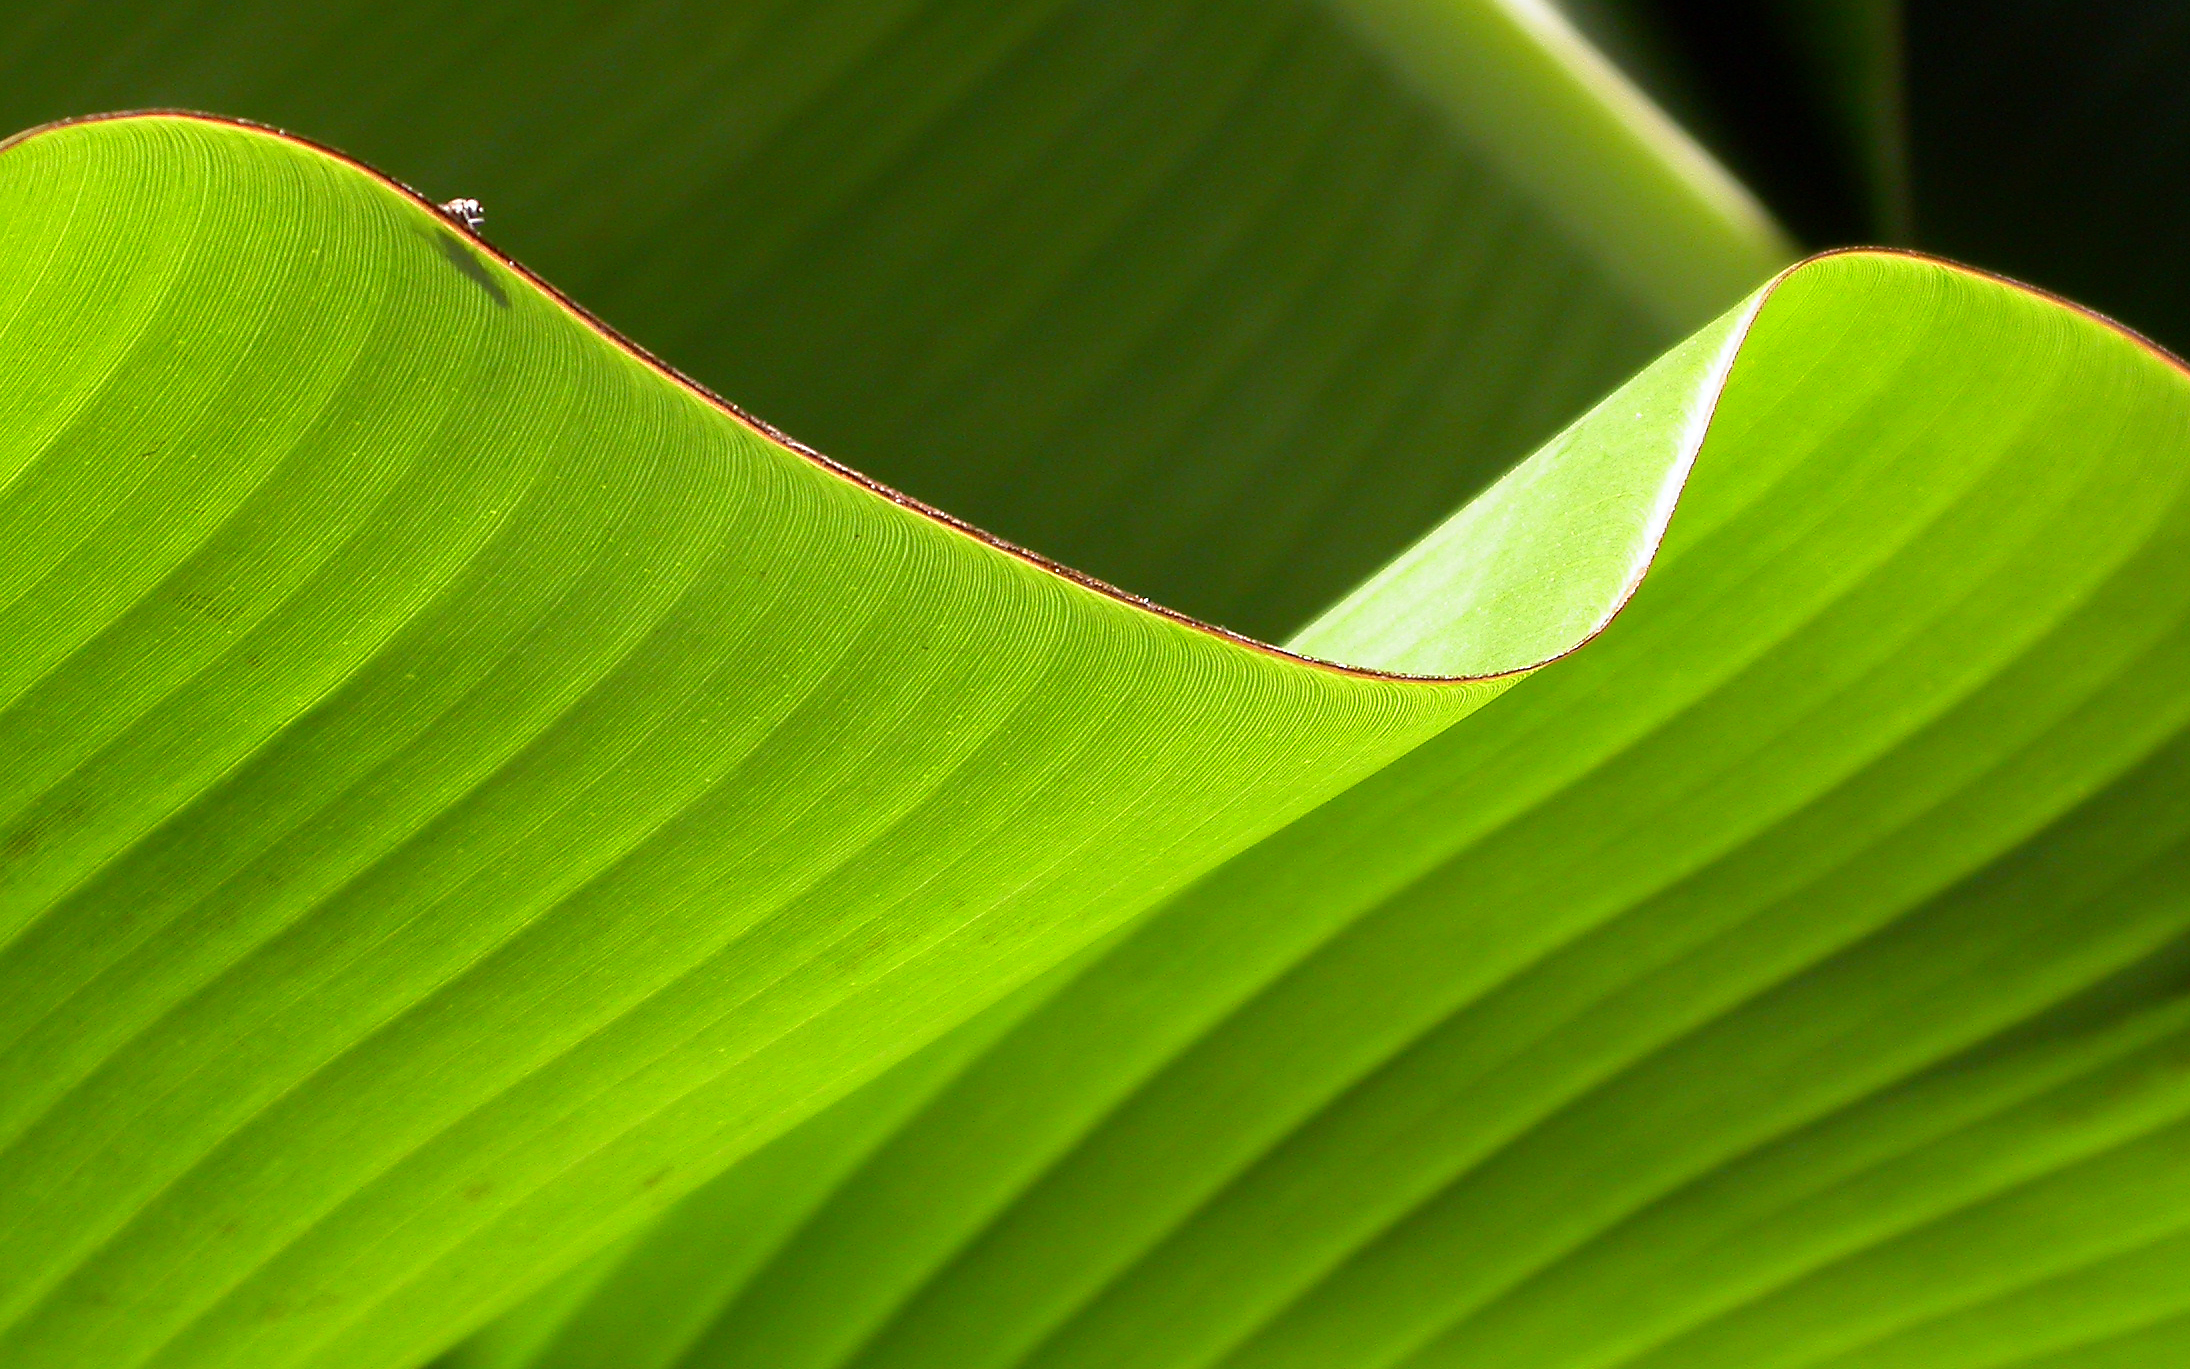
415 696
1790 978
485 827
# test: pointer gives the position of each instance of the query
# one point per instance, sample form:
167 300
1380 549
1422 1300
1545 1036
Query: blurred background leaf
1803 98
2040 138
1208 300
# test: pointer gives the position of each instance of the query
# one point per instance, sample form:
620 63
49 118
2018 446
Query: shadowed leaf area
2049 141
2053 142
1201 299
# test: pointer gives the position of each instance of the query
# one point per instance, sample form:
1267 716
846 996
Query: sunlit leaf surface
465 786
487 828
1793 977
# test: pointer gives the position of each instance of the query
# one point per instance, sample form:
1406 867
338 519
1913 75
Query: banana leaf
469 789
467 786
1794 976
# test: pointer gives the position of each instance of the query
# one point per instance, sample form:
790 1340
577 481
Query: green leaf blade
1791 977
469 787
